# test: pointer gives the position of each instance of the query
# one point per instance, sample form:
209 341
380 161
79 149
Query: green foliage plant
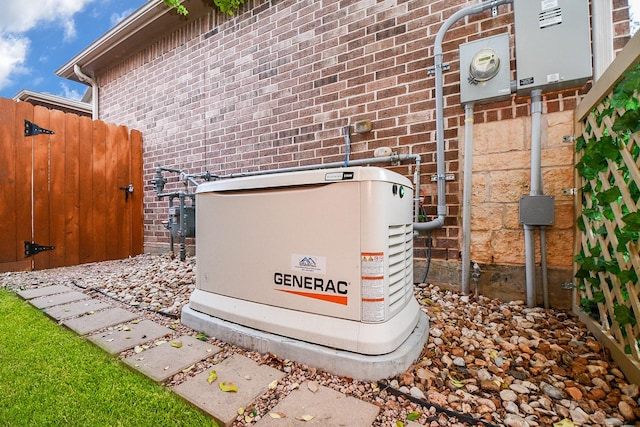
601 194
225 6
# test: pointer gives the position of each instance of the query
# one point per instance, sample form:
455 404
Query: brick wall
274 86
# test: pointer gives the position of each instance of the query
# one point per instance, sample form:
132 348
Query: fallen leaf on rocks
228 387
184 371
273 384
241 410
201 336
277 415
160 342
138 349
412 416
455 382
313 386
564 423
213 375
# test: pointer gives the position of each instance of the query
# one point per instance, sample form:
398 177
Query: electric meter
484 66
485 75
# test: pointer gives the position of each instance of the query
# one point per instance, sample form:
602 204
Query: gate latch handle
127 190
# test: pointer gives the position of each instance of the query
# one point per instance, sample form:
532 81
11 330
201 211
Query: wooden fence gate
67 198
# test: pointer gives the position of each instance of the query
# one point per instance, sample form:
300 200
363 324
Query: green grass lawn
51 377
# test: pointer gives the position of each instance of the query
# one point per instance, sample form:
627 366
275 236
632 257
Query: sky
39 36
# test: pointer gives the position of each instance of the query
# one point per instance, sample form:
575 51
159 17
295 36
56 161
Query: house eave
133 33
52 101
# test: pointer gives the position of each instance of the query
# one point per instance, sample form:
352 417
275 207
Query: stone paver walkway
116 330
164 361
251 379
123 337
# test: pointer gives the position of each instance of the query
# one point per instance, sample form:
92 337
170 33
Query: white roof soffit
53 100
133 33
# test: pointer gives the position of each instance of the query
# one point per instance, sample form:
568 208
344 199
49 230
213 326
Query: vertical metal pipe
466 197
536 142
535 190
530 265
543 266
439 95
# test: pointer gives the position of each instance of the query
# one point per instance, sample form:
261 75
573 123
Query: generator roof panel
305 177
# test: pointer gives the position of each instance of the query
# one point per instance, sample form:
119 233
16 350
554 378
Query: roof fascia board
143 22
28 95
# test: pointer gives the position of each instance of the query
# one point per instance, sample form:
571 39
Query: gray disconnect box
552 44
537 210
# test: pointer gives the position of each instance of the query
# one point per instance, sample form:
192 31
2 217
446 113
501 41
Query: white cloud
18 17
13 52
117 17
70 93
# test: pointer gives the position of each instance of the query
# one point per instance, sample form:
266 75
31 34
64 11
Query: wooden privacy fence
71 197
608 181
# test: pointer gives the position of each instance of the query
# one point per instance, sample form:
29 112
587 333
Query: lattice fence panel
608 261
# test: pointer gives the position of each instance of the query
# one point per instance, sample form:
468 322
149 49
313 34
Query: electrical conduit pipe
535 190
466 198
440 166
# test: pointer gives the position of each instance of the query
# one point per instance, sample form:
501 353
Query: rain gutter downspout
440 165
94 90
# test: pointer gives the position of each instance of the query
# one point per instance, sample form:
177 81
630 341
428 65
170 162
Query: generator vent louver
400 266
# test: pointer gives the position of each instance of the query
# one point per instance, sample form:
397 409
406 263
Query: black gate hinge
31 129
31 248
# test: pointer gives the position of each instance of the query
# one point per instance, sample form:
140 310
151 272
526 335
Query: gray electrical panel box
485 74
537 210
552 44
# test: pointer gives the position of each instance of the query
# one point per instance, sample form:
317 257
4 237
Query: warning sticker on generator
372 264
373 303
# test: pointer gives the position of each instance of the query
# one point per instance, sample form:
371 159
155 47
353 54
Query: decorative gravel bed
486 362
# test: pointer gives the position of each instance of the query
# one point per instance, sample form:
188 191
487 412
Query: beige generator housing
313 258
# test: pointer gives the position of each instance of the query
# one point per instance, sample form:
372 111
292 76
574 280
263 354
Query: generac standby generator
321 256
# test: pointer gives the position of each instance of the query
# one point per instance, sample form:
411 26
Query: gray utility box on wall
485 74
552 44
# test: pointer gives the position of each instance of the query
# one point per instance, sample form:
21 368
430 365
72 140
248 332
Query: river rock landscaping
486 362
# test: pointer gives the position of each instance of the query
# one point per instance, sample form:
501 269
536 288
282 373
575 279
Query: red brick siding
274 86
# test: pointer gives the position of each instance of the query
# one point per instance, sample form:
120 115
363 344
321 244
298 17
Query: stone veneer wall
273 87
